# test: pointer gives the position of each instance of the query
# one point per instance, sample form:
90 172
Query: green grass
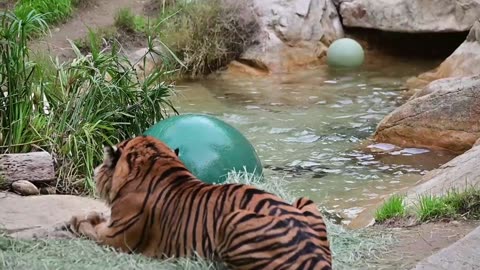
393 207
125 20
20 110
433 207
206 35
53 11
453 205
97 37
350 248
71 109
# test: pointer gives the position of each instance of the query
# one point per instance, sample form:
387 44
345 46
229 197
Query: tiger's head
129 161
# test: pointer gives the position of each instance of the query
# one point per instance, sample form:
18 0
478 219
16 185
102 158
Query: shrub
392 208
207 34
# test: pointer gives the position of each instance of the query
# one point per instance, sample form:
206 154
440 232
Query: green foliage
433 207
71 109
207 34
20 97
54 11
466 203
97 37
103 101
125 20
453 205
392 208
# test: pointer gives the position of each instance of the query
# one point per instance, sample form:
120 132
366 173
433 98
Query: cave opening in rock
423 45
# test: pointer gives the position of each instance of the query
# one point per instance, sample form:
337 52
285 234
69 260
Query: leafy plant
54 11
73 108
21 101
101 100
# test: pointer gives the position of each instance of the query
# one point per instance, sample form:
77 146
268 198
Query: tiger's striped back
160 209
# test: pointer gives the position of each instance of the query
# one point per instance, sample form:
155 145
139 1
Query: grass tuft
453 205
433 207
207 35
125 20
393 207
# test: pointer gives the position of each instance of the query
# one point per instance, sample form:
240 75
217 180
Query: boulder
460 173
411 16
446 116
292 34
464 61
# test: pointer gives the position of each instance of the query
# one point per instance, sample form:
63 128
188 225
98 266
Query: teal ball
345 53
209 147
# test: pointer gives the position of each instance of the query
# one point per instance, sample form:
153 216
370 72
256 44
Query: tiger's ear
177 151
111 155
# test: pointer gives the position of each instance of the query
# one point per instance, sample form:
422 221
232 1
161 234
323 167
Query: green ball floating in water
209 147
345 53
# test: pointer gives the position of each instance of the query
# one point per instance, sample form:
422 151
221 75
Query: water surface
310 128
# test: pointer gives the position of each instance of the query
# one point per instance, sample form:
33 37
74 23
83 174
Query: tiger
160 209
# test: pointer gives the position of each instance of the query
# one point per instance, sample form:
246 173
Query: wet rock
25 188
460 173
464 61
411 16
292 34
447 118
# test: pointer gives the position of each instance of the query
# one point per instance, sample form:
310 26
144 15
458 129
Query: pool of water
311 128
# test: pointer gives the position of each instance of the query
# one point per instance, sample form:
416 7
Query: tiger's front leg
85 225
100 229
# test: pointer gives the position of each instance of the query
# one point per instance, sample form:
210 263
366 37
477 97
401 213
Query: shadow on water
309 127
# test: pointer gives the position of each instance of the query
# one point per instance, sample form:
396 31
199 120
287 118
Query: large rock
460 173
38 216
464 61
447 116
293 33
413 16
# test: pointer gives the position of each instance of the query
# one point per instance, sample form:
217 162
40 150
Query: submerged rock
292 34
447 118
410 16
464 61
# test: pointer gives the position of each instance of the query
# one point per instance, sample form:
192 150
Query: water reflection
309 127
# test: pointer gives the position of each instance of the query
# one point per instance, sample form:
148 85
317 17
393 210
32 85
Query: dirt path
100 15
